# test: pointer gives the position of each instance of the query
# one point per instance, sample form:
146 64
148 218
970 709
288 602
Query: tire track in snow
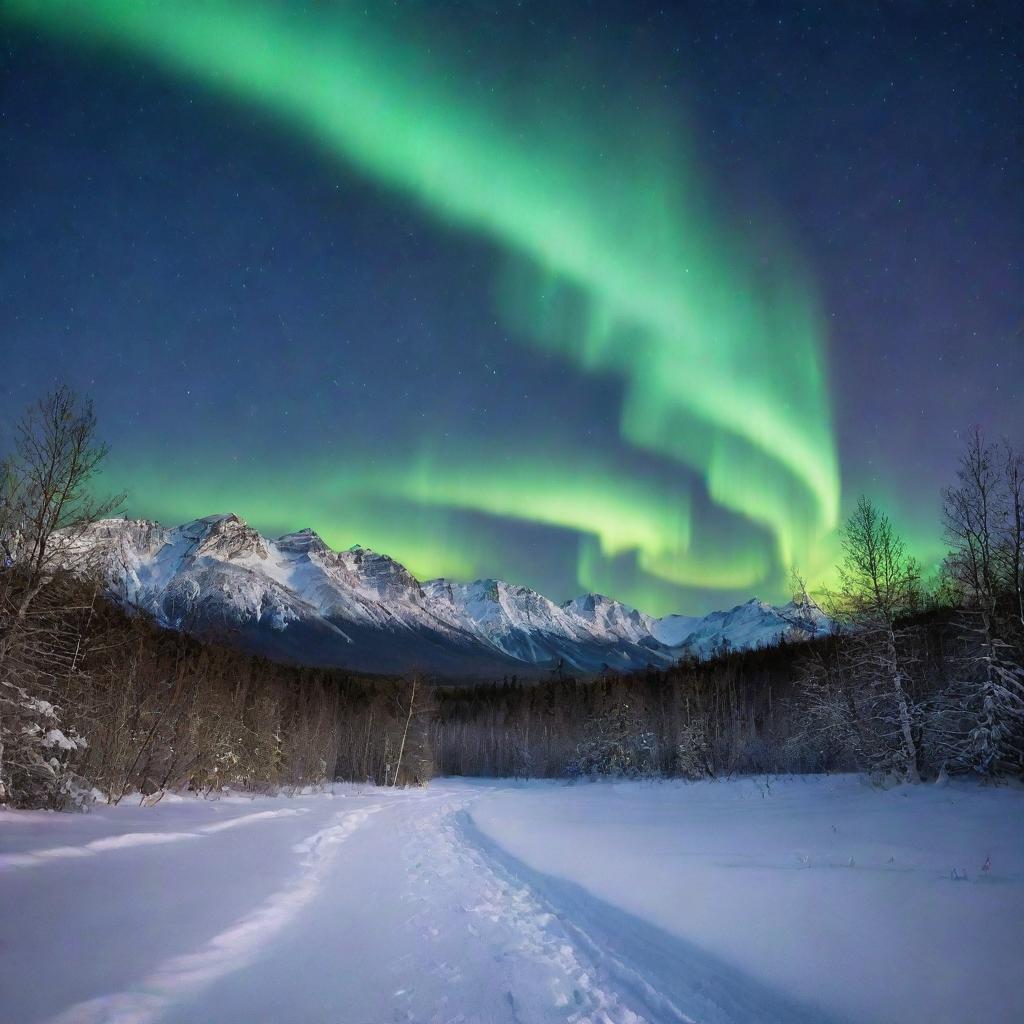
184 976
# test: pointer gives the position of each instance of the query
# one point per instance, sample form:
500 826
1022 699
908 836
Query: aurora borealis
447 281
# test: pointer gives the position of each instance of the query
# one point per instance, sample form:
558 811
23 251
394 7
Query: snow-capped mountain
297 599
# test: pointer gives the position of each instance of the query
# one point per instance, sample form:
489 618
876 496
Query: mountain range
295 599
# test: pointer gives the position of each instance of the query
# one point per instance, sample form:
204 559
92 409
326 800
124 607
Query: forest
918 679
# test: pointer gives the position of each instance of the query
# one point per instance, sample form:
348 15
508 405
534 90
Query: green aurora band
614 263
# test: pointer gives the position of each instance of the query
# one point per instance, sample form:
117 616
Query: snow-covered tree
978 720
38 752
693 755
617 742
976 723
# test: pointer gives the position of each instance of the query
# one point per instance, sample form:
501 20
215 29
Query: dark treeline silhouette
95 698
737 713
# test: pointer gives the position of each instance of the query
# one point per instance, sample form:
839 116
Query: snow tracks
501 951
374 905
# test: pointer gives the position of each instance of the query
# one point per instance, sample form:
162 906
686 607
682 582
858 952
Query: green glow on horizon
617 265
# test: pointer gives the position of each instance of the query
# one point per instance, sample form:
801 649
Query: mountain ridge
295 598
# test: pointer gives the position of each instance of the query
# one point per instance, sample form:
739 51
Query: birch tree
879 586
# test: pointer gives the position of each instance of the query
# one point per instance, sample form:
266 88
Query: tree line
95 699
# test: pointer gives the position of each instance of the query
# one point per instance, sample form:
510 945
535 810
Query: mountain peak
219 519
381 573
227 536
303 541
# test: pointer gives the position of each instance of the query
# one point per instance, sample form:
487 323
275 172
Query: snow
799 900
835 895
674 630
56 738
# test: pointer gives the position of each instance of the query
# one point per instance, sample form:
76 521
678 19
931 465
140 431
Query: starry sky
608 295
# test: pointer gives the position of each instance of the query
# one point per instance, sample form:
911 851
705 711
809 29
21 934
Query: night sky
625 297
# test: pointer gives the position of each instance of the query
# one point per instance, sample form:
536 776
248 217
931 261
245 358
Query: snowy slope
296 598
742 901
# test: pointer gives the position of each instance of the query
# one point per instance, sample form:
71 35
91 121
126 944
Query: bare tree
414 745
46 503
405 730
972 515
48 498
1012 548
879 586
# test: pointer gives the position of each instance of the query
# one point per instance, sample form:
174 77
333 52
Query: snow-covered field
814 899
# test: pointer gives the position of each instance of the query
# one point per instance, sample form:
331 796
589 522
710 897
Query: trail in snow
415 924
502 904
669 979
380 909
464 899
